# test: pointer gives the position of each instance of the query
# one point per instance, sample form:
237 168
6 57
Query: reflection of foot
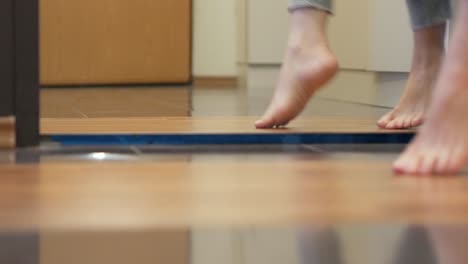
416 247
307 66
320 245
450 243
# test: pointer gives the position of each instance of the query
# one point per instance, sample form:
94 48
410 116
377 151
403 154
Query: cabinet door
115 41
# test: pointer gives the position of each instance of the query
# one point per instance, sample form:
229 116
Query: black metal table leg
6 58
26 81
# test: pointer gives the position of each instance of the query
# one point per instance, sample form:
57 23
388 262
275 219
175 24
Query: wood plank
115 41
7 133
216 82
217 125
212 190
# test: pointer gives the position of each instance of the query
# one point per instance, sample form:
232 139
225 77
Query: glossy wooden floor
207 125
178 110
224 189
7 133
183 188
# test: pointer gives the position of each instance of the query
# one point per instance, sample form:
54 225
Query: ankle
306 50
429 46
309 18
308 27
427 61
306 40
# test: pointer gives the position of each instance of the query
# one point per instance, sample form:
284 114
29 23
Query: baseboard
7 133
215 81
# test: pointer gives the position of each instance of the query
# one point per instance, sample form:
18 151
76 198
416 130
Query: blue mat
203 139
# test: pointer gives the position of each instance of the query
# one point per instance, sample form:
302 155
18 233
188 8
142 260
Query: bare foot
427 58
412 107
308 65
442 145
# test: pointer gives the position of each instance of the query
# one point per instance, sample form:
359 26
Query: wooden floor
210 190
218 125
7 133
156 110
317 187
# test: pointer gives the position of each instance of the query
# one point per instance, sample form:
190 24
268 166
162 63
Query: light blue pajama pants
423 13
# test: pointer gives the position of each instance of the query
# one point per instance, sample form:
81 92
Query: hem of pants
294 7
420 26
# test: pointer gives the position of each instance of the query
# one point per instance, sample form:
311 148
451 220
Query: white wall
371 38
215 38
365 35
391 44
268 32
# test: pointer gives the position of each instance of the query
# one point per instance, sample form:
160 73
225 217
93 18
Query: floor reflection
51 152
19 248
312 245
390 244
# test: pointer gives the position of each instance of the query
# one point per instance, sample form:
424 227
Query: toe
443 160
414 164
284 124
456 161
403 163
400 122
391 125
455 166
399 166
383 122
407 122
428 164
417 121
274 116
395 124
410 160
265 122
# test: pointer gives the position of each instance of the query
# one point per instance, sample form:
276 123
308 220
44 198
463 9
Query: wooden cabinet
115 41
